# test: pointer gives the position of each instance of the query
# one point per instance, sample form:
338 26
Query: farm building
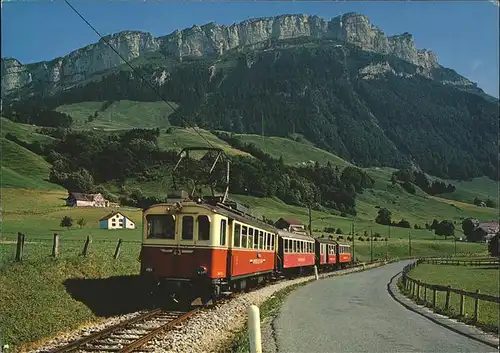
487 230
77 199
116 220
291 225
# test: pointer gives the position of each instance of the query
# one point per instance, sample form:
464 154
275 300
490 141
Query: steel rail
107 331
147 337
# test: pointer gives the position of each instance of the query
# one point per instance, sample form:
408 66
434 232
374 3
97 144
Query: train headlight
148 269
202 270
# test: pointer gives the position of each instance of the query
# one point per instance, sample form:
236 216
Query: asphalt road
355 313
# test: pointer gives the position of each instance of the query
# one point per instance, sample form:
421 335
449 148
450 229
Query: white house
116 220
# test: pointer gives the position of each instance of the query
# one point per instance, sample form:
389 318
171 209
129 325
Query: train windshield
161 226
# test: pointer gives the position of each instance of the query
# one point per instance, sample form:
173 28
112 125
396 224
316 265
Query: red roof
291 221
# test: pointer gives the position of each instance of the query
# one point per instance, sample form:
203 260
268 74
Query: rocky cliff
209 39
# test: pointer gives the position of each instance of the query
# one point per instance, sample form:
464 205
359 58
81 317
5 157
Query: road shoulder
451 324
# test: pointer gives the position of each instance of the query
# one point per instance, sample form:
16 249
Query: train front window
203 228
237 235
161 226
187 227
223 232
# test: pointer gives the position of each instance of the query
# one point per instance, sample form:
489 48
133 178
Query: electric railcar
200 249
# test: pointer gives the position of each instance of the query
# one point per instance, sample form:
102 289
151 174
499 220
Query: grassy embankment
468 278
54 290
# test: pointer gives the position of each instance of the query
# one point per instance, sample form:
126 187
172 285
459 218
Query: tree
383 217
490 203
434 224
445 228
494 246
338 231
66 222
404 224
81 222
468 226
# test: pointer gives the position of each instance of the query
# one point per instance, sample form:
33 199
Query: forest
119 156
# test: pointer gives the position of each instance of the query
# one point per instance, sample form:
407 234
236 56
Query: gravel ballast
213 329
207 331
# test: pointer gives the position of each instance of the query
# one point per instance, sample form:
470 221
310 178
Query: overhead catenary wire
138 74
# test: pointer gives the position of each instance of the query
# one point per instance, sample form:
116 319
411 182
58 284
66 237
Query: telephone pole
409 242
371 245
386 249
352 239
310 220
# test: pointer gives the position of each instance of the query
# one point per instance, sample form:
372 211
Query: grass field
468 278
292 152
23 168
122 114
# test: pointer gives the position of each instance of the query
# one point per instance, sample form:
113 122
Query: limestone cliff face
209 39
78 65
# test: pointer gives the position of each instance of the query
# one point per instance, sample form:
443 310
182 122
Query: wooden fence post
118 249
425 294
462 304
20 247
447 302
55 246
433 297
476 306
418 290
86 247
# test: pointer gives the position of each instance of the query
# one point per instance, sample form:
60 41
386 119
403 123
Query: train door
324 254
231 245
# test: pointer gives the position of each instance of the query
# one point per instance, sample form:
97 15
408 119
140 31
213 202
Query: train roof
287 234
326 240
226 211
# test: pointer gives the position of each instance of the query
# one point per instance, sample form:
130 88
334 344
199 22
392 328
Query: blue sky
464 35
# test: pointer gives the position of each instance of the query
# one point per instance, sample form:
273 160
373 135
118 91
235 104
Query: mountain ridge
209 40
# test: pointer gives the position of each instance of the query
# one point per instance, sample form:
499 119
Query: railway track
129 335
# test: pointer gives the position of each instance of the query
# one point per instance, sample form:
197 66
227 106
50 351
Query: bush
361 239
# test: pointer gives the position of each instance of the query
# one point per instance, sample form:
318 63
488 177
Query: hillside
369 109
420 208
344 87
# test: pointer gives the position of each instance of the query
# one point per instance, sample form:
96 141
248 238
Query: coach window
261 240
236 235
203 227
272 241
222 232
254 241
287 245
244 237
187 227
161 226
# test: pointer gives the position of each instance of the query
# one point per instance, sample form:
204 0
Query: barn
291 225
116 220
77 199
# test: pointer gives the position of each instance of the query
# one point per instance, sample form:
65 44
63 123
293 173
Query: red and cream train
204 248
